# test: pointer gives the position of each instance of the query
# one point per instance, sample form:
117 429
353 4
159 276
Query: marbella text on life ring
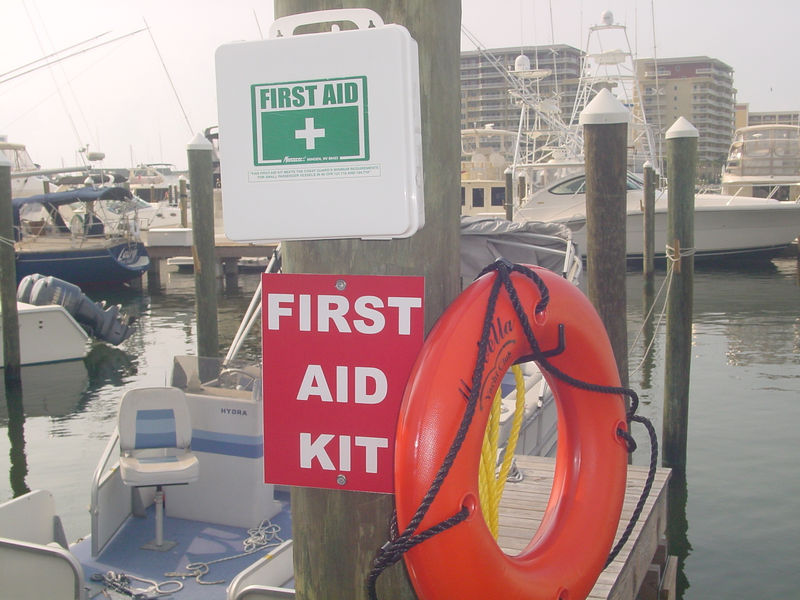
569 550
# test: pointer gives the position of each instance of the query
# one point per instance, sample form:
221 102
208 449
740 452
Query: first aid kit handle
363 18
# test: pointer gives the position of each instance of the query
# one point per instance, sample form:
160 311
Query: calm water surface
737 530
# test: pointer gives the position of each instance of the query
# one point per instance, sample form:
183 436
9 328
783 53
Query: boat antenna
53 54
169 78
49 66
659 137
53 62
260 33
554 52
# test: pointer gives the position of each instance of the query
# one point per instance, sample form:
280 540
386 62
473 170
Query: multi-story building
700 89
485 97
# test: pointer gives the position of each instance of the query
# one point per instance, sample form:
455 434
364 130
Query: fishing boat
56 320
764 161
724 225
221 524
61 234
486 154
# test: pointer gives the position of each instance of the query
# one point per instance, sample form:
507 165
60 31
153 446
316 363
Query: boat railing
111 500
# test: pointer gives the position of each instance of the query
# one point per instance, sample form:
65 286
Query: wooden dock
641 571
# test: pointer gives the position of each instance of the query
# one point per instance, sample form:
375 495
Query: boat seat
155 434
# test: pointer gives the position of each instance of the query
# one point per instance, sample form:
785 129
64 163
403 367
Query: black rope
393 550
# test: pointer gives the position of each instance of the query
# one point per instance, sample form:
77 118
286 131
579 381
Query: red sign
337 352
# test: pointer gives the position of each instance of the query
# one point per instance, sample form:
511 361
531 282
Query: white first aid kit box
319 133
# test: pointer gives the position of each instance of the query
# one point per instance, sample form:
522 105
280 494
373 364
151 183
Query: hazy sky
117 98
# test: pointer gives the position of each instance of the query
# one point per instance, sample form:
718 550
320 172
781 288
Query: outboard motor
106 324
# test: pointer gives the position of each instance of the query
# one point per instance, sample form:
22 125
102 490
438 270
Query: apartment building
700 89
485 97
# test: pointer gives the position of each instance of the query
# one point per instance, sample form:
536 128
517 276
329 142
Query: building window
477 197
498 196
463 194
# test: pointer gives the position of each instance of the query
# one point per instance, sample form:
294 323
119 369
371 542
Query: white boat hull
718 231
48 334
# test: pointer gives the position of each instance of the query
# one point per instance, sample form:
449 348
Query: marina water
736 520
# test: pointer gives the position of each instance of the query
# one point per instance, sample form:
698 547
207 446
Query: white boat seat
155 434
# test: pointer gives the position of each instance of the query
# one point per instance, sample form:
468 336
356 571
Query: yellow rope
490 486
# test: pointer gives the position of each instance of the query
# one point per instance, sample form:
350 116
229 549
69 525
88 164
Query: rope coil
393 550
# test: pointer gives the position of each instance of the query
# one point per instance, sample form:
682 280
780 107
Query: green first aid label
316 121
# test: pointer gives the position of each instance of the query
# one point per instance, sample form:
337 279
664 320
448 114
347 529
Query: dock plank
522 509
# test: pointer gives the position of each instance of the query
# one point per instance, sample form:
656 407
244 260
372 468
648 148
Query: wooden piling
183 201
605 127
649 210
648 269
201 176
337 533
509 201
12 357
681 165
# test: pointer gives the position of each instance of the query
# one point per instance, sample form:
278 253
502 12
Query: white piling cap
199 142
604 109
682 128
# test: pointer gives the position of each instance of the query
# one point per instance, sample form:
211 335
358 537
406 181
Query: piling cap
199 142
604 109
681 128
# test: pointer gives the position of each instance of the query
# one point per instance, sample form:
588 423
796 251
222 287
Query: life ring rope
400 542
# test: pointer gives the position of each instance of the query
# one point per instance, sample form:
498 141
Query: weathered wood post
337 533
12 357
183 201
509 201
605 127
681 165
649 229
201 177
648 268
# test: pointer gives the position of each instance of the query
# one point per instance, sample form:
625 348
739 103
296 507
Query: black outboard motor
105 324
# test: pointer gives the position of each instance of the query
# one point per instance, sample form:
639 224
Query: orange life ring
569 550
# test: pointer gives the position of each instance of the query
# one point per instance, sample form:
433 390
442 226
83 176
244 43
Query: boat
486 154
155 182
26 176
764 161
60 234
228 527
724 225
56 320
48 334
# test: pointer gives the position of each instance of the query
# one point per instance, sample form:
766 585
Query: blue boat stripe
154 414
155 428
228 444
157 459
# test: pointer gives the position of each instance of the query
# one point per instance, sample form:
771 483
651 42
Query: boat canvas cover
485 239
52 201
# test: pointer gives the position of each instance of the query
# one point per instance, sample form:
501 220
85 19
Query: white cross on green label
316 121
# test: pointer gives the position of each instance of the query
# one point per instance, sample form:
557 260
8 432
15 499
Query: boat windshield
19 158
577 185
765 151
